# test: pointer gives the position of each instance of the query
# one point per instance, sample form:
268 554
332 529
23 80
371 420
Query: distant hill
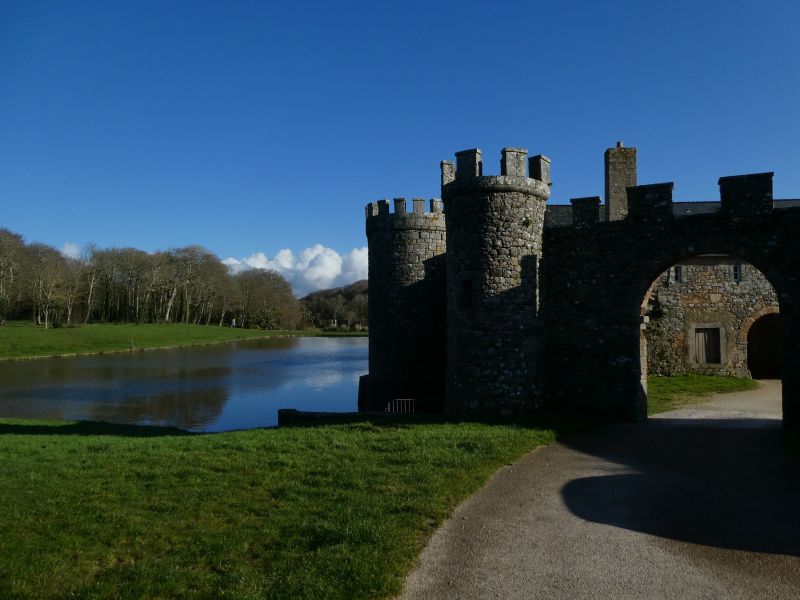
338 308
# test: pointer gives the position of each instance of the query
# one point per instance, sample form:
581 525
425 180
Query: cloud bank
70 250
315 268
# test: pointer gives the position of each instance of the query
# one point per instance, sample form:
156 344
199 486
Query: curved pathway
702 502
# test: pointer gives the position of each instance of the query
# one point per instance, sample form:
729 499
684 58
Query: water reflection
195 409
213 388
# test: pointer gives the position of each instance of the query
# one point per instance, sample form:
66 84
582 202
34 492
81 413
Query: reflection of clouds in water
187 408
322 345
336 346
209 388
323 379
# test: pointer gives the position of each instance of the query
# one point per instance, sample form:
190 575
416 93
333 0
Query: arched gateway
599 272
493 313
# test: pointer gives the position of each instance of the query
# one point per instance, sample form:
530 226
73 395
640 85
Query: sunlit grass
670 393
23 340
340 511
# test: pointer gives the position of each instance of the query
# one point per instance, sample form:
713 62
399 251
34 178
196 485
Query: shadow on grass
86 428
562 424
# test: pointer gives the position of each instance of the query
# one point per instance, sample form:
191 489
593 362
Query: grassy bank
23 340
669 393
93 510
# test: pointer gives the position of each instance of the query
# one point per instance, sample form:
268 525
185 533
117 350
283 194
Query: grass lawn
93 510
24 340
669 393
337 511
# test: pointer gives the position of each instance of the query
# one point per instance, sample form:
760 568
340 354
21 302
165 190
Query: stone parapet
746 195
380 218
651 204
585 211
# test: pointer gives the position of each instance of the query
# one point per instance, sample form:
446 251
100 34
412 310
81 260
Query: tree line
339 308
114 285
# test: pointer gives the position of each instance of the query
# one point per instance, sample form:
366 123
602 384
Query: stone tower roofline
380 218
741 197
380 208
467 172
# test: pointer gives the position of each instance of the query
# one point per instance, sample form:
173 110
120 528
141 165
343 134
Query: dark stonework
597 279
519 312
406 304
494 241
585 211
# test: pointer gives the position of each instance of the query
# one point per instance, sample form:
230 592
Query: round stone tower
494 243
407 305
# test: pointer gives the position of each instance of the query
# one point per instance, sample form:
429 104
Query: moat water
238 385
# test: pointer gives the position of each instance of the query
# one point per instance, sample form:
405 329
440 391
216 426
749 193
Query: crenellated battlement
381 218
518 173
741 197
585 211
746 195
650 203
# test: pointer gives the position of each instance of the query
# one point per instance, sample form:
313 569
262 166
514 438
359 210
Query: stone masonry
406 302
709 292
499 304
493 247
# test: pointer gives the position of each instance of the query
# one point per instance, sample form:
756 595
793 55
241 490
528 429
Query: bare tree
125 284
48 267
11 249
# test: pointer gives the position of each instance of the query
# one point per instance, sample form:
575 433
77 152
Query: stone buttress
494 245
406 305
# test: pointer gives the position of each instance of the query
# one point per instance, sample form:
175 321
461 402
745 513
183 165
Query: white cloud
315 268
71 250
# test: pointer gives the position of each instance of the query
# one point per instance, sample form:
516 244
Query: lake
236 385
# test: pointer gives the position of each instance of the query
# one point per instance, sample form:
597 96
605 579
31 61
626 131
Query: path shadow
723 483
89 428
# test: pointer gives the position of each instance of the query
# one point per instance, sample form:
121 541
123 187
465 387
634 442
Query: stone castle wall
494 244
406 302
489 307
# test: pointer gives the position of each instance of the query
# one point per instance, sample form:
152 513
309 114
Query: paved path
698 503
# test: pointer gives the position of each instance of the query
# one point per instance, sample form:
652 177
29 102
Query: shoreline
178 346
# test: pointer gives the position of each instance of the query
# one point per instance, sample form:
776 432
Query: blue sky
251 127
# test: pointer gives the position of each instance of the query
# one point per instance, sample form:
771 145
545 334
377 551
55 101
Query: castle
492 302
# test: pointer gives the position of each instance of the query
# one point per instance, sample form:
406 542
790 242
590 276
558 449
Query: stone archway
597 275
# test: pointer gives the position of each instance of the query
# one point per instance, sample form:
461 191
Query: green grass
669 393
23 340
336 511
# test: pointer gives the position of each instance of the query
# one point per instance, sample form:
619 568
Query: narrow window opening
678 274
737 273
707 346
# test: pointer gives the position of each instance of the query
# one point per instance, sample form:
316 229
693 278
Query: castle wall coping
767 175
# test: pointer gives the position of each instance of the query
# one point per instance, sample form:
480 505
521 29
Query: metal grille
400 406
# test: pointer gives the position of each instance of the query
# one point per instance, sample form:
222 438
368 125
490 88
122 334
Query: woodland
182 285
